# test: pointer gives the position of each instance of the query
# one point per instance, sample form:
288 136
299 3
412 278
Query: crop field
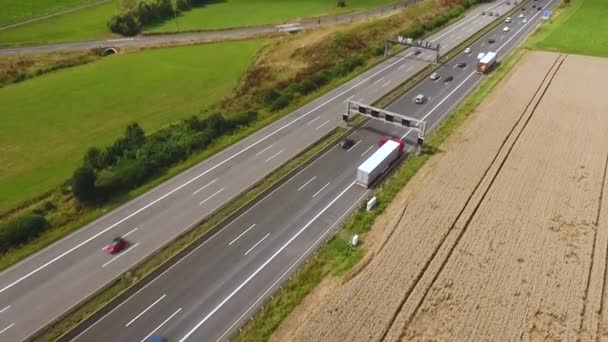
48 122
235 13
86 24
581 29
14 11
507 235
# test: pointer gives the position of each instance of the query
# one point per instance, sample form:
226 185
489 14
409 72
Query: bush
341 3
21 230
83 184
271 96
126 24
281 102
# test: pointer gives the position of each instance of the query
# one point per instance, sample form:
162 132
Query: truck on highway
486 62
390 151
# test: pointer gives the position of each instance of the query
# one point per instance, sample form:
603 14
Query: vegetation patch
14 11
579 29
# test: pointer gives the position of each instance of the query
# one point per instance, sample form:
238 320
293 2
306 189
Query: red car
117 245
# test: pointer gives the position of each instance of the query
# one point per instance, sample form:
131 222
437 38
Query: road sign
546 15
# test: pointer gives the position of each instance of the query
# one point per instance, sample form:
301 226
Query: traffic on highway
208 294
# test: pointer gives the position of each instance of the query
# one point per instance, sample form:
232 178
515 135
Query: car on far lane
524 21
480 56
508 20
539 8
156 338
118 245
483 13
491 41
461 65
420 99
447 79
347 143
521 15
506 28
416 52
467 50
497 14
434 76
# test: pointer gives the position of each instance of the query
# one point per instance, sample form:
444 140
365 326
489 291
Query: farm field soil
86 24
50 121
237 13
580 29
510 244
19 10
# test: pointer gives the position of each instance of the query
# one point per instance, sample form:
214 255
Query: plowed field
506 240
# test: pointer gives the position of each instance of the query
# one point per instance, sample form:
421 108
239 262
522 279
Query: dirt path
500 246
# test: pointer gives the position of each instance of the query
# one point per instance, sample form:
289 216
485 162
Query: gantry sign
356 108
423 44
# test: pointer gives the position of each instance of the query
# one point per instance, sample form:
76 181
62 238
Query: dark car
347 143
461 64
156 338
483 13
523 8
448 78
539 8
497 15
117 245
416 52
491 41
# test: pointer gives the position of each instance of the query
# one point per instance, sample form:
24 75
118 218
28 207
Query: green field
235 13
85 24
14 11
48 122
582 28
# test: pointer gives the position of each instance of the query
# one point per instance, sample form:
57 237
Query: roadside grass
14 11
85 24
185 242
580 28
335 258
50 121
238 13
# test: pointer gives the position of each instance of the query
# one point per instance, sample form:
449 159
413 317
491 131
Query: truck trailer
379 161
486 62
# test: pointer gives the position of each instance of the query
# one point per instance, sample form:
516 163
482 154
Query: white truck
486 62
379 161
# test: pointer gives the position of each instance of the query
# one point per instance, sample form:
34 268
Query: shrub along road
76 266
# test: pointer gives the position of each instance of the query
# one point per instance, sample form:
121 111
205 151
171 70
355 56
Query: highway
211 292
76 267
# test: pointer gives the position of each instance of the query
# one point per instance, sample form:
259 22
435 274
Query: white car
420 99
480 56
521 15
524 21
467 50
434 76
506 29
508 20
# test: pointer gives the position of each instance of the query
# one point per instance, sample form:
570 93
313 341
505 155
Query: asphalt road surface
203 36
211 292
42 287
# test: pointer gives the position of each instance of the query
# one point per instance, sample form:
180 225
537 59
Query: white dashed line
204 187
118 256
254 246
305 184
146 310
323 124
264 150
274 155
316 193
210 197
243 233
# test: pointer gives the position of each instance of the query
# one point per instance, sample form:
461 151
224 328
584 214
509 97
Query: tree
134 135
83 183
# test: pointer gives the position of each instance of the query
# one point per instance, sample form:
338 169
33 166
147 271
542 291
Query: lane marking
305 184
243 233
355 145
161 325
369 148
348 99
6 308
378 80
315 243
204 187
43 266
146 310
323 124
119 255
316 193
266 149
5 329
129 233
361 99
210 197
385 84
401 67
313 120
268 261
254 246
274 155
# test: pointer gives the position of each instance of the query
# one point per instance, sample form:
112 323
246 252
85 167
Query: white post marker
371 203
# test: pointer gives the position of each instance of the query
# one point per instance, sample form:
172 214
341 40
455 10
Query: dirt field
509 245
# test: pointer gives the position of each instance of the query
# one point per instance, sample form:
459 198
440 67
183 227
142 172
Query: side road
209 36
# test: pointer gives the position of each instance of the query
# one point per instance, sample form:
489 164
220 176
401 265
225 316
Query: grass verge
334 257
14 11
187 241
